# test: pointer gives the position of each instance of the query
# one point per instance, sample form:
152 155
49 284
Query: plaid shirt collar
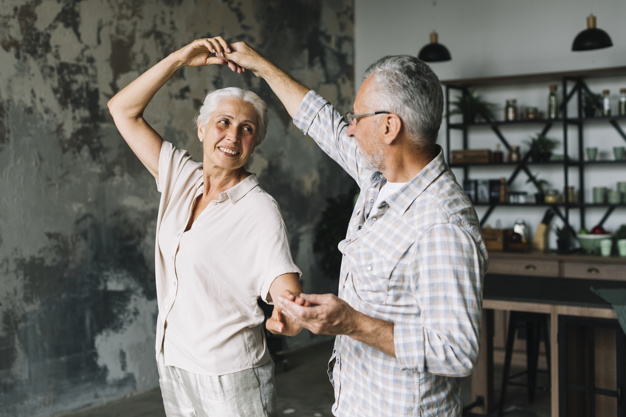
402 200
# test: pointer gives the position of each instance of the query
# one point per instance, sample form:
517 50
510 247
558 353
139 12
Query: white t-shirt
386 190
209 278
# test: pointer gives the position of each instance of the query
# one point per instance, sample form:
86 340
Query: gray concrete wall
77 209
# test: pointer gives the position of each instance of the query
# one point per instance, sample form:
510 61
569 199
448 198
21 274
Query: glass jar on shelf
571 195
551 197
532 113
622 102
514 155
510 110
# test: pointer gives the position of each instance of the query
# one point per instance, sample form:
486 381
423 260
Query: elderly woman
221 244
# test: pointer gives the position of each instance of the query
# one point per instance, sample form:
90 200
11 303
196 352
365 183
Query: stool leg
510 339
532 358
546 343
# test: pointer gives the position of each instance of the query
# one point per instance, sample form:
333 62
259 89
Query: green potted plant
541 186
541 147
471 104
592 103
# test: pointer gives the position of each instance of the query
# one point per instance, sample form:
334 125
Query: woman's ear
200 132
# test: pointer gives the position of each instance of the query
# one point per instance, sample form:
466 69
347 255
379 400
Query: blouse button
369 267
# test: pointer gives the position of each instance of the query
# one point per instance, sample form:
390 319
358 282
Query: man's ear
392 125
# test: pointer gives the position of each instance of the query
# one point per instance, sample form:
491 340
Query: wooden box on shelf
518 247
496 239
471 156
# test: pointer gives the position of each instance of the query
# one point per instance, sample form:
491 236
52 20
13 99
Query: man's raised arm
289 91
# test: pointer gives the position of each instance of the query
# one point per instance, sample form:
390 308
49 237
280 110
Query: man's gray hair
213 99
408 87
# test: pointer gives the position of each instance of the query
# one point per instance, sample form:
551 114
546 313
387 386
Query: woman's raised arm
128 105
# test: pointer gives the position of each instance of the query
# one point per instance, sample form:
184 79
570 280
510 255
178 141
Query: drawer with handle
593 270
534 267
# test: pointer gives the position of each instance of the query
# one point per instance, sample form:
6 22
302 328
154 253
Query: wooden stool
536 325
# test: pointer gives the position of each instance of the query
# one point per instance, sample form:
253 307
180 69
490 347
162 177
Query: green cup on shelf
618 153
599 195
621 187
592 153
614 197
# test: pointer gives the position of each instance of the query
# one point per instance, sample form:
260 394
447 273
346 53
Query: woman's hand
207 51
278 323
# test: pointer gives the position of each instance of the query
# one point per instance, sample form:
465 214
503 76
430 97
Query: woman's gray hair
213 99
408 87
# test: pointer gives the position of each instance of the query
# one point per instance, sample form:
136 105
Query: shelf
569 120
573 87
539 77
461 125
515 164
604 162
571 205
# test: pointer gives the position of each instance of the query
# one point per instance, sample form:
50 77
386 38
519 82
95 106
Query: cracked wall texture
78 210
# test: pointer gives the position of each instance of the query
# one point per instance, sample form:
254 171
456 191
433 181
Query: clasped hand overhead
216 51
207 51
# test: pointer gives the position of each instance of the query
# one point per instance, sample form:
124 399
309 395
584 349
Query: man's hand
327 314
289 91
244 56
278 324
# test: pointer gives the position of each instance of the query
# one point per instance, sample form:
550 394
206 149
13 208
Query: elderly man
408 314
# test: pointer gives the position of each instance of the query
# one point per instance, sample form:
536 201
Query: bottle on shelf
606 103
622 102
498 155
503 194
510 110
552 102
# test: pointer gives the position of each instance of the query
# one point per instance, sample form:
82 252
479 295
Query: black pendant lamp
434 51
592 37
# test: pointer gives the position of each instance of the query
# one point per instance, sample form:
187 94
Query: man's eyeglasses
350 116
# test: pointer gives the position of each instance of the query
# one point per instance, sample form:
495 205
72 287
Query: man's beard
374 161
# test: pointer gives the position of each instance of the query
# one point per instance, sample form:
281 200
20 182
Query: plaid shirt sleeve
444 338
319 119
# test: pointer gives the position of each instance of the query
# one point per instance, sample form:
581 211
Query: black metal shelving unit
574 84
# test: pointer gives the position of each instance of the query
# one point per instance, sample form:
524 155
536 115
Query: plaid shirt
418 261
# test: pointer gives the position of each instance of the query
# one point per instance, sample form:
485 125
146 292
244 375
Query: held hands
207 51
278 323
239 56
321 314
246 57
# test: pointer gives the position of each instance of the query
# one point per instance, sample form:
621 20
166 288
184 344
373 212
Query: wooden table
550 295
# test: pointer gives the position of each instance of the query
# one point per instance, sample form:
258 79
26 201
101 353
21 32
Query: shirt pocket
375 266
